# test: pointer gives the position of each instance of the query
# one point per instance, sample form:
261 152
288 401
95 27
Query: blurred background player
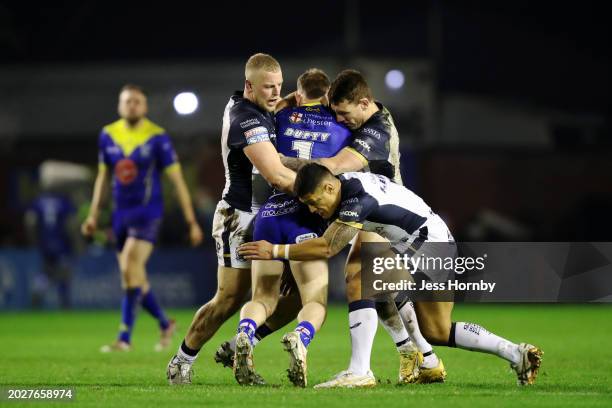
252 168
307 130
137 152
51 222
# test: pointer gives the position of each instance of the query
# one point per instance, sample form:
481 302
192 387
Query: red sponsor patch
126 171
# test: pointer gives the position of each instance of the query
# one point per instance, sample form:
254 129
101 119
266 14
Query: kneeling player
359 201
283 220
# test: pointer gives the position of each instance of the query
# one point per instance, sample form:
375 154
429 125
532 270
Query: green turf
61 349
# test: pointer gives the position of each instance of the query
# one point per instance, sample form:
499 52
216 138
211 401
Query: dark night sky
555 54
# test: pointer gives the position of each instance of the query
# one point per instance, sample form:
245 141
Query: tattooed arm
336 237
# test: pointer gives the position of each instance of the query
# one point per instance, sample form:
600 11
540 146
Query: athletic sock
363 323
186 354
471 336
306 331
149 303
247 326
406 311
261 332
128 313
392 322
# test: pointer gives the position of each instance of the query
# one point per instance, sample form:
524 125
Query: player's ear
364 103
248 85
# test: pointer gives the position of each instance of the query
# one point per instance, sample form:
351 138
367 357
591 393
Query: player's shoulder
112 127
352 183
378 126
153 128
246 114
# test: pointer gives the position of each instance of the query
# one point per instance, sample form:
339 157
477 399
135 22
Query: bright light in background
394 79
185 103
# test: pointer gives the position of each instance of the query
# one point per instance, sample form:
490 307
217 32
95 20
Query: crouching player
362 201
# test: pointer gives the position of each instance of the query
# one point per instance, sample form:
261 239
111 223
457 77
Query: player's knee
225 304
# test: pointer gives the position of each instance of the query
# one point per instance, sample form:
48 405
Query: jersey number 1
303 148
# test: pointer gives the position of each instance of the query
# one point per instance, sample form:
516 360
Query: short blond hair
258 62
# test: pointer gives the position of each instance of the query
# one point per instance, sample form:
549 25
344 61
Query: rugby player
359 201
252 169
137 151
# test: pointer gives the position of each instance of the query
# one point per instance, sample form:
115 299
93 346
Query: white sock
184 357
471 336
390 319
406 311
363 323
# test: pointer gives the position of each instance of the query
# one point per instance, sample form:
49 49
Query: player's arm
288 101
336 237
175 175
264 157
347 159
91 222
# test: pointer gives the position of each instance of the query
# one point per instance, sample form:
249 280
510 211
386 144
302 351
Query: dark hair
309 177
133 87
314 83
349 85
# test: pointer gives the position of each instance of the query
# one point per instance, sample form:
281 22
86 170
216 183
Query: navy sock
128 313
306 330
263 331
149 303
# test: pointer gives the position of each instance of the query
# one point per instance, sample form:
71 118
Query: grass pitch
61 350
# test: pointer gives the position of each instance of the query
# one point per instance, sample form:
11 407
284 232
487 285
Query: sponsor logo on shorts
305 237
363 144
249 122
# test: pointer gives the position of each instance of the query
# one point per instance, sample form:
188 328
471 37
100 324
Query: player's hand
89 226
258 250
195 234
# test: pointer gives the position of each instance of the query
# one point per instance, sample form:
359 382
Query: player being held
376 148
137 152
310 131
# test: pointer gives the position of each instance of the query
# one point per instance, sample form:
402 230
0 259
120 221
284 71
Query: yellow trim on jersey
129 139
311 104
353 224
172 168
359 155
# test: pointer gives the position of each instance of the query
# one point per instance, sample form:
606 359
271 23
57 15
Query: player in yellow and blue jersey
137 152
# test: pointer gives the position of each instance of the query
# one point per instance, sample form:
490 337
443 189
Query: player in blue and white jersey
358 201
